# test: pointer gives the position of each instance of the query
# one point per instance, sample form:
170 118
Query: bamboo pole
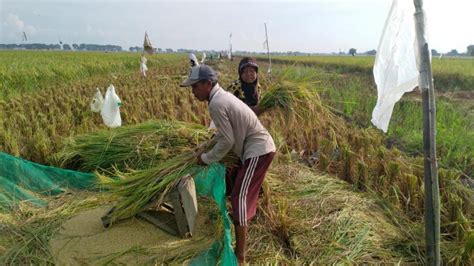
230 47
268 51
432 212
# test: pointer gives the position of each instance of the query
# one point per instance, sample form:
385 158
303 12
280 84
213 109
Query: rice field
28 71
450 74
335 153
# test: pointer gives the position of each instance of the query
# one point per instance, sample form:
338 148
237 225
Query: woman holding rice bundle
239 130
247 88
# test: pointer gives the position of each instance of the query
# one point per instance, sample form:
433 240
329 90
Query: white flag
395 68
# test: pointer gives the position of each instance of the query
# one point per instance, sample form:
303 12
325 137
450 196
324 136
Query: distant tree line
31 46
155 50
66 47
116 48
453 52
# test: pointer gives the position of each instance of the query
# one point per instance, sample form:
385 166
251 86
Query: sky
317 26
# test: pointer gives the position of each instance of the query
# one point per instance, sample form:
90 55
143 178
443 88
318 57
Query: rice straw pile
314 219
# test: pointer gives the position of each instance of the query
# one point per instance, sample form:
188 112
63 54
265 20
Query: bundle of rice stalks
137 189
137 146
290 97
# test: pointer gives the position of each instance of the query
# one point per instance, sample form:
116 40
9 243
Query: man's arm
224 137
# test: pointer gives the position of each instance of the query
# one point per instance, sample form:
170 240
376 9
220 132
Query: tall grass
454 134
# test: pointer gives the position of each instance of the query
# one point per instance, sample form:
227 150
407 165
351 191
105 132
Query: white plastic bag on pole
111 110
193 60
97 101
143 67
395 68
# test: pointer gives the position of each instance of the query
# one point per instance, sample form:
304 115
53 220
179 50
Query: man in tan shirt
239 130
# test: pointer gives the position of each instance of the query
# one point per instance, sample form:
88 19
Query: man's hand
198 158
199 150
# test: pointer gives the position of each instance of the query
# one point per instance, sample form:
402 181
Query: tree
352 51
470 50
75 46
434 52
371 52
453 52
66 47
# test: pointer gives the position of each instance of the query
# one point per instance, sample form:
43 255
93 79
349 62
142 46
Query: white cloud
95 31
14 23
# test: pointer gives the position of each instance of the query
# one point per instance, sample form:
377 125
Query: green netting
22 180
211 183
11 194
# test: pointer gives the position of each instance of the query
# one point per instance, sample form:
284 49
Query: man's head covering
247 61
201 72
